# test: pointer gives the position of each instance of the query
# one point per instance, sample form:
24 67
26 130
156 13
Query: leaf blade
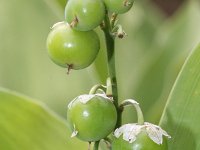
26 124
181 114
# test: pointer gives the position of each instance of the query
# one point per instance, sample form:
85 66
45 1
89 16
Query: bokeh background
161 34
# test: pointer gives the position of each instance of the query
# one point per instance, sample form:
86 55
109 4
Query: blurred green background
160 36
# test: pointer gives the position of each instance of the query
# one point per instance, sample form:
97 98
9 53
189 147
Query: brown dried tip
113 17
126 3
69 68
102 25
121 36
74 22
109 95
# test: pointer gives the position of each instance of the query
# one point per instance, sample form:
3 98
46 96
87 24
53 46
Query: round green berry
92 117
136 136
84 15
72 49
143 142
118 6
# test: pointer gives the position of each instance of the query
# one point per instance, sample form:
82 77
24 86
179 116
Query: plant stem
108 143
96 145
96 87
137 107
109 87
110 45
113 19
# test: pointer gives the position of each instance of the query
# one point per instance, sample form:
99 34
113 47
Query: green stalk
96 87
96 145
137 107
110 45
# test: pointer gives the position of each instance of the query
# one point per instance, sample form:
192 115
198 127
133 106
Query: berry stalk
96 145
137 108
110 46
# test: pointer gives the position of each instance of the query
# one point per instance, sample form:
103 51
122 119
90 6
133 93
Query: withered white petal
117 132
82 98
155 132
104 96
87 97
70 104
129 132
165 133
75 132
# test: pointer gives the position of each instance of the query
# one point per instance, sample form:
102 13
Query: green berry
143 142
140 137
118 6
84 15
92 117
72 49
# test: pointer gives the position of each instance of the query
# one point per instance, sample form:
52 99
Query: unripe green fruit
118 6
91 117
143 142
136 136
70 48
84 15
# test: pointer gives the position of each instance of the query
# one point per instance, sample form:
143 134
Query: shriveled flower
87 97
131 131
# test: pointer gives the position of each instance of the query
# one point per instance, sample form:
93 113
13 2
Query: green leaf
181 115
25 66
155 64
29 125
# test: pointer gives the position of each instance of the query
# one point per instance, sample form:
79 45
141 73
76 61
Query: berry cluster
73 43
92 117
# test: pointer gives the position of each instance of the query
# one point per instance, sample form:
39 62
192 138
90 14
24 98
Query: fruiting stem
113 20
110 45
108 143
89 145
96 87
137 107
96 145
109 87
